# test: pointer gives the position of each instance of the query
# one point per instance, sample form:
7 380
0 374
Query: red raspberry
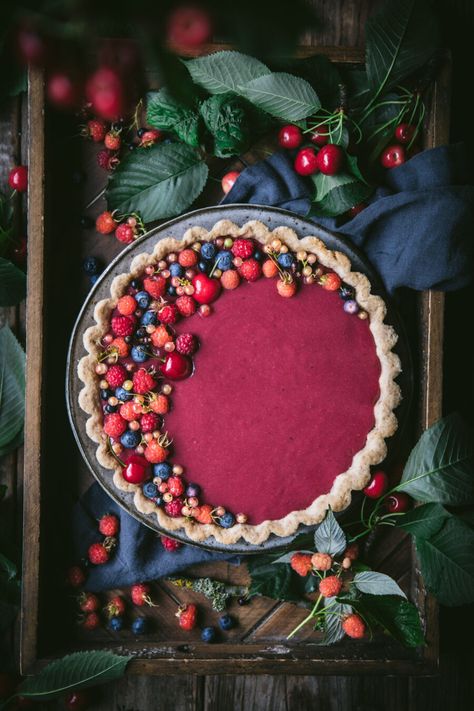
330 281
321 561
160 404
330 586
140 594
175 485
91 621
187 617
122 326
112 140
115 607
109 525
98 554
301 563
269 268
143 382
170 544
116 376
120 346
149 422
173 508
250 270
150 137
96 130
243 248
155 286
107 160
169 314
114 425
186 305
125 233
203 514
230 279
88 602
155 453
186 344
105 223
160 336
75 577
130 410
188 258
126 305
286 288
354 626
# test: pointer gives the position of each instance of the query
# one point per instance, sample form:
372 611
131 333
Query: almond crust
374 450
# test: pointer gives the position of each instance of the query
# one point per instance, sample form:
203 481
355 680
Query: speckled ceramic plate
207 217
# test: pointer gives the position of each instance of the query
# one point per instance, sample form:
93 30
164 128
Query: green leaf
329 536
423 521
320 72
333 618
13 444
353 164
225 71
401 37
12 283
226 119
374 583
447 562
281 95
12 387
8 567
286 558
79 671
166 113
273 581
395 615
441 466
158 182
335 194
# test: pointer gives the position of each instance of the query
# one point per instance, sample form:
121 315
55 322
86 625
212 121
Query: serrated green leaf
394 615
225 118
423 521
273 581
329 536
13 444
166 113
12 283
353 164
224 71
335 194
282 95
158 182
12 387
374 583
79 671
333 618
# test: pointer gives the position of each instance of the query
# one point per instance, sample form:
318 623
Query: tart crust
374 450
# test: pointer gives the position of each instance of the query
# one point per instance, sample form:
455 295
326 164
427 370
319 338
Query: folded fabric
417 229
139 555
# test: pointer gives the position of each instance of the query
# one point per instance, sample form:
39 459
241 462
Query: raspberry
105 223
109 525
88 602
75 577
286 288
352 551
120 346
169 313
143 382
250 270
115 607
330 281
91 621
301 563
122 326
155 286
107 160
243 248
155 453
149 422
116 376
160 404
175 485
160 336
112 140
170 544
330 586
98 554
130 410
203 514
151 136
96 130
186 305
354 626
321 561
269 268
125 233
188 258
173 508
186 344
187 616
114 425
126 305
140 594
230 279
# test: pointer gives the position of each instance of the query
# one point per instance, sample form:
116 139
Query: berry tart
239 382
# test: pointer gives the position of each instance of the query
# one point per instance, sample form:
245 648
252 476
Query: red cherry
77 700
355 210
228 181
398 502
206 289
405 132
18 178
306 162
377 485
105 91
176 366
290 136
393 156
136 470
63 91
320 135
330 159
188 27
31 46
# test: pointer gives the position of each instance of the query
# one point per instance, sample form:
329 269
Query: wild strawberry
286 288
114 425
149 422
354 626
105 223
130 410
188 258
120 346
169 314
203 514
88 602
352 551
109 525
175 485
150 136
126 305
116 376
125 233
173 508
122 326
91 621
160 336
321 561
330 281
75 576
159 404
301 563
140 594
155 285
155 452
230 279
112 140
115 607
269 268
143 382
186 344
243 248
107 160
98 554
95 130
250 270
330 586
169 544
187 616
186 305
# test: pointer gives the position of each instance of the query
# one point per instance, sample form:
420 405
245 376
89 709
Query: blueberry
162 470
123 395
226 622
143 299
139 354
208 250
158 500
208 634
91 266
285 260
346 292
140 332
171 291
243 601
130 439
140 132
149 318
150 490
110 408
135 284
139 625
105 394
257 255
224 259
176 270
227 520
116 624
204 266
193 490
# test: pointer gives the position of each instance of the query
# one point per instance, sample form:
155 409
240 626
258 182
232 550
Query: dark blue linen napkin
418 229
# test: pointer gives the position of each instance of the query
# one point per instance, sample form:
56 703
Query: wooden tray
54 473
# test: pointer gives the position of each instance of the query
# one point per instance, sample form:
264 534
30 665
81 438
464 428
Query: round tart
240 381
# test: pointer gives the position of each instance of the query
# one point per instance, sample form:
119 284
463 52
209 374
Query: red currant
330 159
398 502
228 180
306 162
405 132
18 178
320 135
393 156
377 485
290 136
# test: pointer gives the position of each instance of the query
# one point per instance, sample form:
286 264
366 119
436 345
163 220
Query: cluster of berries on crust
142 352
